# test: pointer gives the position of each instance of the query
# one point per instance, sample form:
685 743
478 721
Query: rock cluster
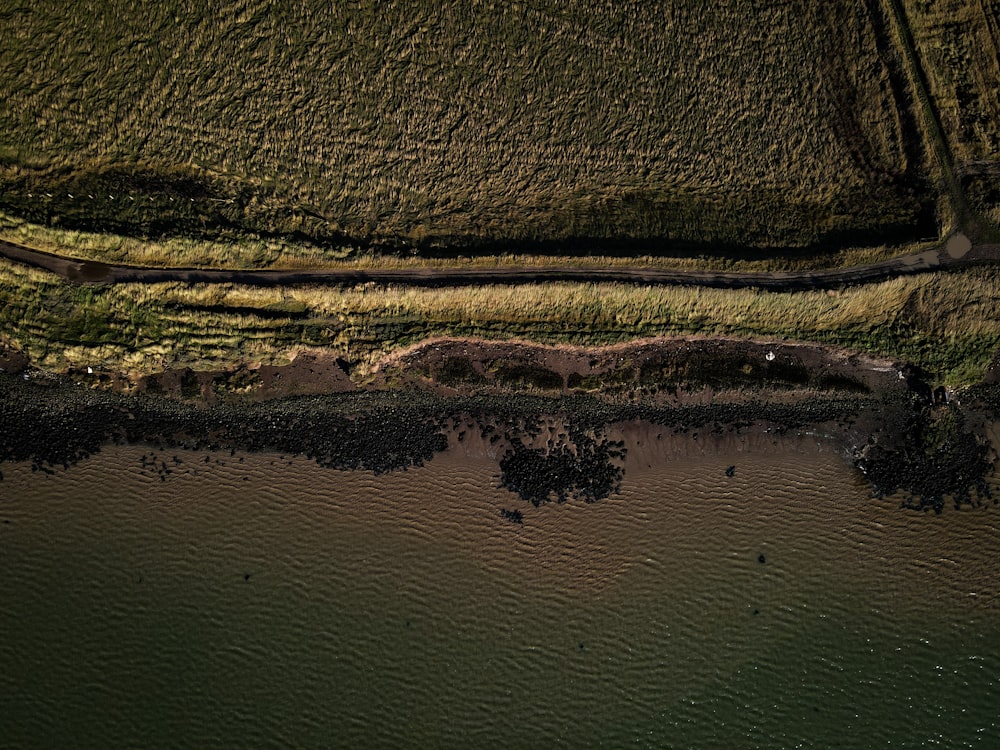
56 424
929 455
584 467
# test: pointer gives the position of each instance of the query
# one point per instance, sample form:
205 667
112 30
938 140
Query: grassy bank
945 323
274 253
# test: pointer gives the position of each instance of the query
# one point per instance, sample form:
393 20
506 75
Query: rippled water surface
253 600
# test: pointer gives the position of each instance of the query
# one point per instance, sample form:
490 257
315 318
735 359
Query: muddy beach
53 422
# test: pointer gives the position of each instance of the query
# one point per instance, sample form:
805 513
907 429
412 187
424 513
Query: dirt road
956 252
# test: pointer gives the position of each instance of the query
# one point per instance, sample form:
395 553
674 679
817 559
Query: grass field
428 126
943 322
743 135
959 45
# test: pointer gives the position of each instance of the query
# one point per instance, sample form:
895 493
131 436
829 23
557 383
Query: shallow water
262 600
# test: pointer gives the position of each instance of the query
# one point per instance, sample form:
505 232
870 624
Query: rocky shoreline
900 442
904 436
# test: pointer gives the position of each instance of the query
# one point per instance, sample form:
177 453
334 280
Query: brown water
262 600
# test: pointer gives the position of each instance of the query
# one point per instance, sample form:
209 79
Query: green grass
739 135
945 323
433 125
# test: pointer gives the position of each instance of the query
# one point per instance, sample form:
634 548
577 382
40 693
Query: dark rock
583 467
514 516
928 454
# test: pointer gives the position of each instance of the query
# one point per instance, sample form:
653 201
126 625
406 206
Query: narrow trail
957 252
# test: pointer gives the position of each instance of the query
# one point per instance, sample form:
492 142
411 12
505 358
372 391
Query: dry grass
944 322
278 254
740 123
959 46
168 251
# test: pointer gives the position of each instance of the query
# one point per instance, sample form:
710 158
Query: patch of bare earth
665 370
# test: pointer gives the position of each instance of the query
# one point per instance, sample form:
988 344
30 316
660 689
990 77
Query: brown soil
667 369
11 359
661 370
309 373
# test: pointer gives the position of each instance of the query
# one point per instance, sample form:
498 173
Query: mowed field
542 126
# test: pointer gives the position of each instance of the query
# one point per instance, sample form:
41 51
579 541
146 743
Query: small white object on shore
769 356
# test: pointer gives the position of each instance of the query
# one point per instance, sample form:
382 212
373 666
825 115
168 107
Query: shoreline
550 448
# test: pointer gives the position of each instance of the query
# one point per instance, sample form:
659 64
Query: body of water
179 598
